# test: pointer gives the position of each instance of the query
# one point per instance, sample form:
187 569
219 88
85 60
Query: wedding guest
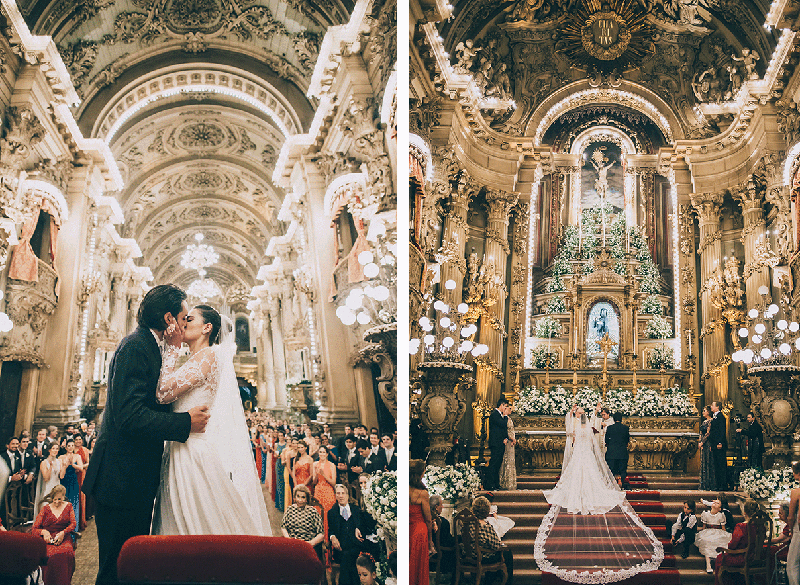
28 462
441 526
387 452
280 482
55 524
779 547
71 465
420 524
367 569
713 533
325 473
685 528
498 437
303 469
508 467
369 526
707 478
349 459
39 447
755 441
501 524
344 521
488 540
304 522
348 430
83 453
793 556
49 475
742 534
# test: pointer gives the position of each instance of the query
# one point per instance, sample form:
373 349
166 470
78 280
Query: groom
617 437
125 468
498 437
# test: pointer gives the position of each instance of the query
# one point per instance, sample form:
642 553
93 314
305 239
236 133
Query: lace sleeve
173 384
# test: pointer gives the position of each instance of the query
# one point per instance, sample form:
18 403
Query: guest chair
469 556
222 560
20 555
436 560
757 554
12 499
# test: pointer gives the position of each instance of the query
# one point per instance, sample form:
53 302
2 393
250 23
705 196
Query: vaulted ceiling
195 99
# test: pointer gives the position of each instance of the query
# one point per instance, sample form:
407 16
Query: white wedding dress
591 534
209 484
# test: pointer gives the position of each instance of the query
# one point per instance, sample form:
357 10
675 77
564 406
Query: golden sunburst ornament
607 35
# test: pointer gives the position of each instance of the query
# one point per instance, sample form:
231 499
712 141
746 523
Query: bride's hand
174 333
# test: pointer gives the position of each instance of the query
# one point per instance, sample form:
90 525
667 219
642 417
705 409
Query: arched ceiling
195 99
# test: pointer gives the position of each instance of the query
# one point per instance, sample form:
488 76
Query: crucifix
606 345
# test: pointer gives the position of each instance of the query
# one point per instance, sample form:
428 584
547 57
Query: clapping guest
83 453
49 475
303 470
280 480
304 522
387 452
55 524
344 522
71 465
324 492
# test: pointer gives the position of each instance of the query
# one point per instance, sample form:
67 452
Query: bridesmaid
288 455
273 463
265 455
420 524
303 471
325 472
707 480
256 439
71 464
83 453
49 475
280 483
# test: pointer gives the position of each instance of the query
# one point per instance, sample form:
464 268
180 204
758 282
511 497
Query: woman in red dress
324 492
739 540
419 525
257 446
303 471
84 455
55 524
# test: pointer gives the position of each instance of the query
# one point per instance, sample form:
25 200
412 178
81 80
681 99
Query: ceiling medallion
607 35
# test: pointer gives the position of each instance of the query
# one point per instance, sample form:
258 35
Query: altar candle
689 339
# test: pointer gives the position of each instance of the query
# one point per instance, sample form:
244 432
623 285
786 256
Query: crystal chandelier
448 336
199 256
768 342
204 289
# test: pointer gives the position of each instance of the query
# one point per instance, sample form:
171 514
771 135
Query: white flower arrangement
658 328
771 484
547 327
450 482
648 401
651 305
380 499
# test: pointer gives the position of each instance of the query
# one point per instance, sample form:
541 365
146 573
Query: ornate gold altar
657 443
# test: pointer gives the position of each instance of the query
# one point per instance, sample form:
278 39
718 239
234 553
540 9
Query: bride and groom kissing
204 481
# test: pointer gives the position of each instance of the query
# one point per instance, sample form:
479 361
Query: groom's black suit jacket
617 437
125 467
498 429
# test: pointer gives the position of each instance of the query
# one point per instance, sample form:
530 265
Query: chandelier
448 336
199 256
768 342
204 289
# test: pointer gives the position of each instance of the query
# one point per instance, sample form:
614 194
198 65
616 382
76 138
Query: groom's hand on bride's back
199 416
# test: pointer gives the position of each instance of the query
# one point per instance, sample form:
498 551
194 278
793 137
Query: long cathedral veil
227 431
605 543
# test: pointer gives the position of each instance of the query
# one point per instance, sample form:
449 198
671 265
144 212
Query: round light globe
365 257
450 284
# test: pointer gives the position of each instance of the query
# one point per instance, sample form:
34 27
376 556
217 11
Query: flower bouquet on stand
456 484
380 501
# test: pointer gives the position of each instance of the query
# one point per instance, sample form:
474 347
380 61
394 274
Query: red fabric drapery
24 265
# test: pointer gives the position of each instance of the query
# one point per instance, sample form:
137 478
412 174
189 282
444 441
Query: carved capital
500 203
708 206
24 132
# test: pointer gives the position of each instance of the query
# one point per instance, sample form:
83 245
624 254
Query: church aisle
86 553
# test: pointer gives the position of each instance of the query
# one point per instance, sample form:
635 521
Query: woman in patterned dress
508 468
280 483
288 455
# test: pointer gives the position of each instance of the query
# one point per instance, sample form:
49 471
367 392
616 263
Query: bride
591 534
209 483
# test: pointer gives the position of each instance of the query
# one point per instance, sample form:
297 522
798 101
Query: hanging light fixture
204 289
199 256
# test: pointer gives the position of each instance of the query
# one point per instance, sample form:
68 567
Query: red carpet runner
647 504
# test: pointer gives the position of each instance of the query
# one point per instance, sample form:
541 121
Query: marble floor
86 553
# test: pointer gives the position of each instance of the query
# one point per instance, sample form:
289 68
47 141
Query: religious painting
602 177
242 334
603 319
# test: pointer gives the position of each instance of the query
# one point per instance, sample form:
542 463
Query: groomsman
617 437
387 452
498 437
718 439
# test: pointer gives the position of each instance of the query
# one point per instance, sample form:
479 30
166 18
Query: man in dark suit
13 461
755 442
441 527
349 455
340 443
718 439
344 532
366 462
498 437
387 452
125 468
617 437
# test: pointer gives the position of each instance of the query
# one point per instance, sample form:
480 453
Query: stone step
534 577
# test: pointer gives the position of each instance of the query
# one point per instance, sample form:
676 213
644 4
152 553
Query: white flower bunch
648 401
774 483
380 498
452 482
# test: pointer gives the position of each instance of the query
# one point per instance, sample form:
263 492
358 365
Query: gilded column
756 274
708 207
492 332
518 295
454 238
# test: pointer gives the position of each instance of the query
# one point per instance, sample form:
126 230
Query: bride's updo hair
210 315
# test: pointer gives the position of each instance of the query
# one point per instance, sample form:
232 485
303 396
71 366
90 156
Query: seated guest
55 524
685 528
501 524
304 522
387 453
344 522
713 534
441 526
488 540
780 546
740 539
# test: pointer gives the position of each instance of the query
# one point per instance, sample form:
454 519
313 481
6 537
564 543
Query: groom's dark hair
159 300
617 417
501 402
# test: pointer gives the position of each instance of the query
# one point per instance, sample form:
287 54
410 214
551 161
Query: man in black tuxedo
13 461
718 439
348 456
498 437
125 468
366 461
755 442
344 532
340 443
387 452
617 437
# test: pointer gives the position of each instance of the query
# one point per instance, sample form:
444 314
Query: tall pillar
500 204
279 358
267 361
454 237
756 275
708 207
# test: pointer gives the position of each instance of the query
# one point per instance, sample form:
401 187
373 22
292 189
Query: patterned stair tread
660 576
